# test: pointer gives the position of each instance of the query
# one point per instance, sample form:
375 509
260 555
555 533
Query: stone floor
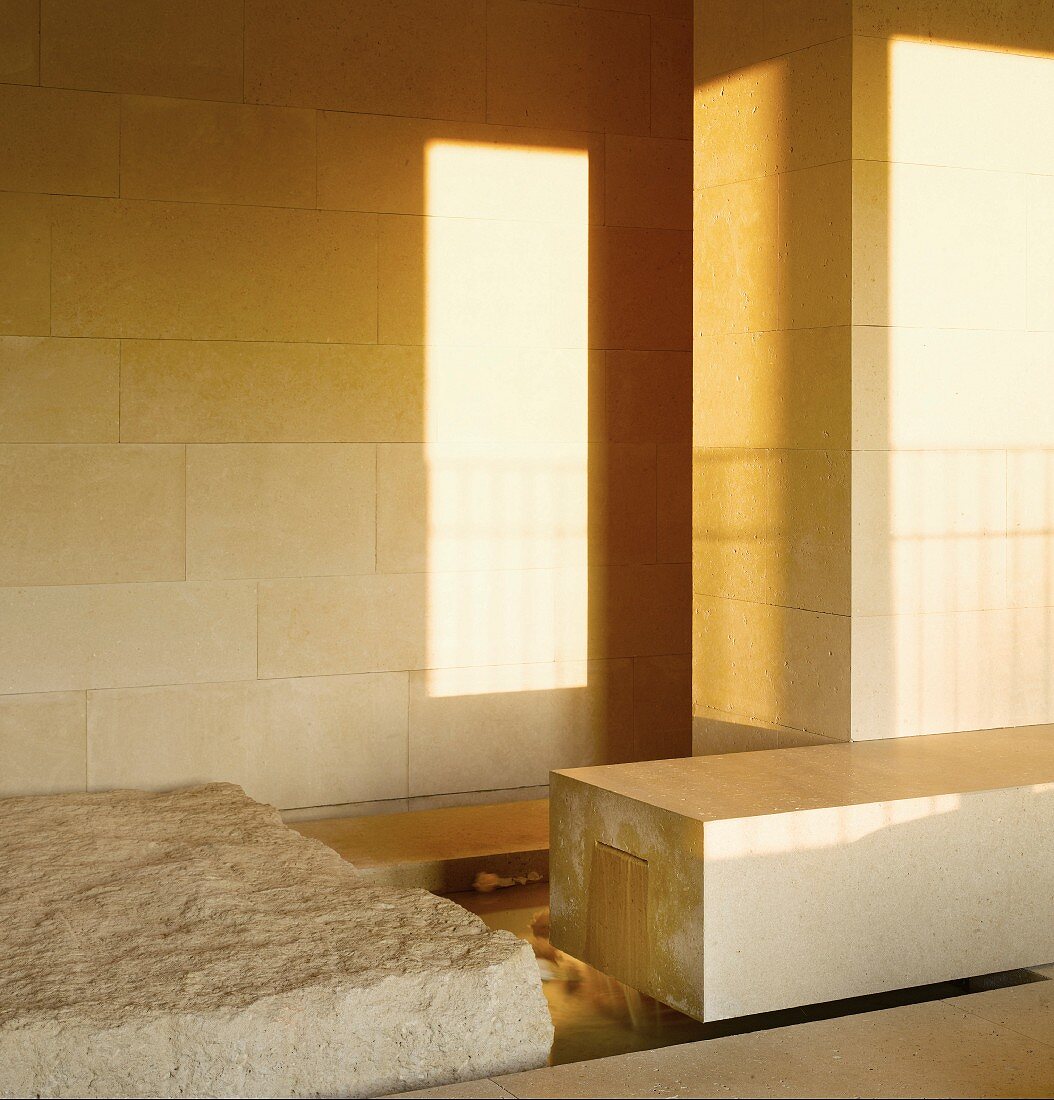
996 1041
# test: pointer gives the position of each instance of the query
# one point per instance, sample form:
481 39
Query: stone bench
189 944
730 885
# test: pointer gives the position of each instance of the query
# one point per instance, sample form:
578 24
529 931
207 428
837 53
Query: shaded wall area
297 429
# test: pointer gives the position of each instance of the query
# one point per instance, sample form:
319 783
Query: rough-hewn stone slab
190 944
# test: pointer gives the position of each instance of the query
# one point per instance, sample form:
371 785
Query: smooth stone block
767 880
189 944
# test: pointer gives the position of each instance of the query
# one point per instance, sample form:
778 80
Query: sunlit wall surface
507 388
953 387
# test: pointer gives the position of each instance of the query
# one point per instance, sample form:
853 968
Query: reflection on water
594 1016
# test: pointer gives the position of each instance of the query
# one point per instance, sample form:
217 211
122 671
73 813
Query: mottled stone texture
189 944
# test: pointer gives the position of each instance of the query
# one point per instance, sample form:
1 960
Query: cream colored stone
79 514
58 391
736 257
914 263
199 391
772 664
114 635
302 742
662 706
460 281
1030 527
426 166
190 151
509 725
723 837
195 271
189 48
639 296
393 57
773 527
623 492
25 275
58 142
648 182
470 506
929 531
777 389
567 68
253 939
816 247
20 45
939 673
671 78
649 397
42 743
673 503
280 509
1040 305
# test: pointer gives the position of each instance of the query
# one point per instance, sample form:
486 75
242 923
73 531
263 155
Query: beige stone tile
736 257
186 271
187 48
479 798
303 742
662 706
923 1049
772 664
118 635
897 117
458 506
634 610
728 35
20 46
640 289
57 141
773 527
1030 389
509 725
42 743
1024 1009
913 264
423 58
25 297
715 733
929 531
649 396
671 78
816 246
199 391
1041 253
280 509
322 626
622 503
673 502
778 115
885 18
1030 527
512 395
940 673
58 391
648 182
81 514
191 151
939 388
346 809
457 170
774 389
483 282
1020 26
567 68
670 9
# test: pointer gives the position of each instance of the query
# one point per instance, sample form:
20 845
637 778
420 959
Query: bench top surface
775 781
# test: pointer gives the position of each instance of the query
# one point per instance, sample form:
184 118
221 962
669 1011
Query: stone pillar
874 370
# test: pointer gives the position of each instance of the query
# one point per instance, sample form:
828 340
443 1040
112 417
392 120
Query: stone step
444 850
731 885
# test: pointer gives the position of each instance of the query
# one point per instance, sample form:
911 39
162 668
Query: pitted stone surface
191 944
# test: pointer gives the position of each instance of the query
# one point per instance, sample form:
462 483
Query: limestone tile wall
772 470
286 502
953 367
